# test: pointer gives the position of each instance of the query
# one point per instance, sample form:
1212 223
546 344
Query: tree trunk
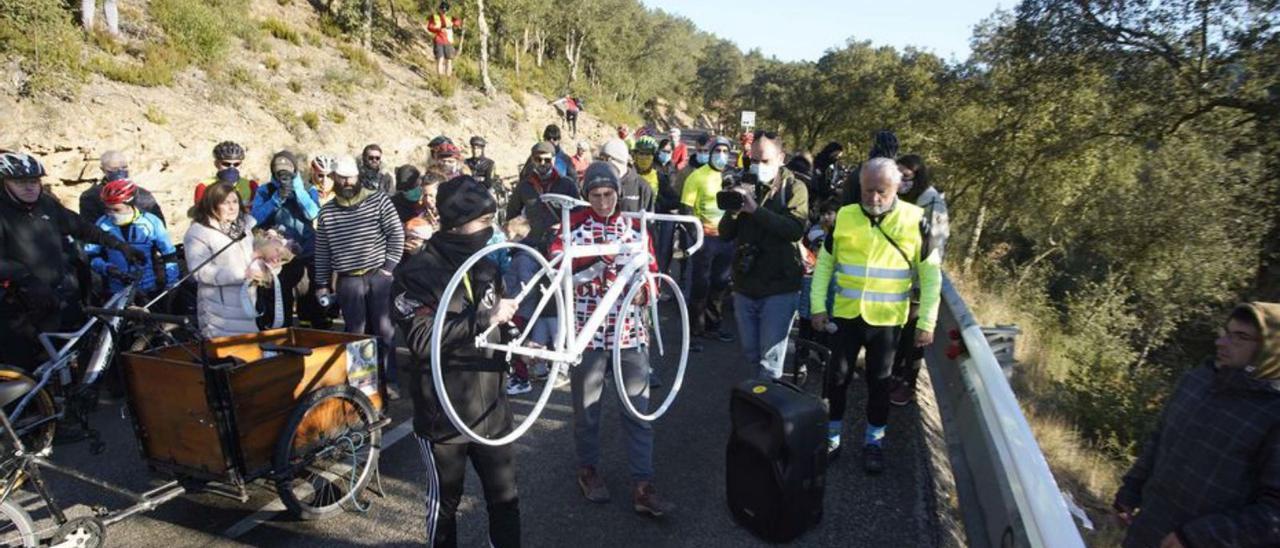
539 45
484 49
977 237
573 52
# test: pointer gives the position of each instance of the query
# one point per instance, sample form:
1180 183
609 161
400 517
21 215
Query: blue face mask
664 157
719 160
703 157
115 175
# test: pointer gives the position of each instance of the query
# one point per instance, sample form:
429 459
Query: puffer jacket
772 234
146 233
1210 473
220 297
475 378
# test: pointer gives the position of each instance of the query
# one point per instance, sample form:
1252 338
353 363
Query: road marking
269 510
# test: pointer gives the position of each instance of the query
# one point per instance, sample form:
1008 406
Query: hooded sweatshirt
1210 473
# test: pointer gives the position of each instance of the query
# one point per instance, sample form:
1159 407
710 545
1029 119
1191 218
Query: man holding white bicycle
603 223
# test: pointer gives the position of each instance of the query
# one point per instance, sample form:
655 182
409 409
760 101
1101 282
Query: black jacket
476 379
635 193
766 259
482 170
34 244
92 208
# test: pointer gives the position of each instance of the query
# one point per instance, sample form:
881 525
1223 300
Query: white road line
269 510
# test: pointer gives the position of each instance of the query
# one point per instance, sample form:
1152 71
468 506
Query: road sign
748 118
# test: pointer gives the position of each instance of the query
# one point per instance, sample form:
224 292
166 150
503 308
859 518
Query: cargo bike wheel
327 452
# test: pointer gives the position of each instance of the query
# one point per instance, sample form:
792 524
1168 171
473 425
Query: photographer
765 215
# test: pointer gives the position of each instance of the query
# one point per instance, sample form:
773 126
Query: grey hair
112 159
884 167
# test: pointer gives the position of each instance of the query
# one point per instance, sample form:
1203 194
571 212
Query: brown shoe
646 500
592 485
903 394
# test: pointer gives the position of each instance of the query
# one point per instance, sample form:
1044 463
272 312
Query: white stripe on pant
433 488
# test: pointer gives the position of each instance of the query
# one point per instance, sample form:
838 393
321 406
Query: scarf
354 200
456 248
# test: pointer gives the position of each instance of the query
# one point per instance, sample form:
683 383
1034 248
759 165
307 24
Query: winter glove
133 255
39 297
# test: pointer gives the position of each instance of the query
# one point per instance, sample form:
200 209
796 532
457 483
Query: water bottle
830 328
326 301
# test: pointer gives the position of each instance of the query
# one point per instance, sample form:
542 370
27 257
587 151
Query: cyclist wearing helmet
321 167
39 290
114 166
446 161
228 156
142 230
480 165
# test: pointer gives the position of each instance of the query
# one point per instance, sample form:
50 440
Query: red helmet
119 191
448 150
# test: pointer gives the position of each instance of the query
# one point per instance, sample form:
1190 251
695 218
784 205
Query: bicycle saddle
10 391
562 201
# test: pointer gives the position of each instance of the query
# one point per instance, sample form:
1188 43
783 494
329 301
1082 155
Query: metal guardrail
1008 496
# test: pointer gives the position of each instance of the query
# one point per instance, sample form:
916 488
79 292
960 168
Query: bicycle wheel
35 427
437 329
16 527
652 318
327 452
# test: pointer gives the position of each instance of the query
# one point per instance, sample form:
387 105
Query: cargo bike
298 409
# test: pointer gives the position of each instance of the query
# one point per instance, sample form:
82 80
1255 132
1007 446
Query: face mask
763 173
644 163
719 160
414 194
664 158
906 186
229 175
122 219
115 175
702 157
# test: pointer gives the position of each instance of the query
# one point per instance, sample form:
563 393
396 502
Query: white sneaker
517 386
563 378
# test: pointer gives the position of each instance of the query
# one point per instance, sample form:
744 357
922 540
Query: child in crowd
522 269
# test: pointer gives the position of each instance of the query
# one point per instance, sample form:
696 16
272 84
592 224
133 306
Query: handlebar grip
139 315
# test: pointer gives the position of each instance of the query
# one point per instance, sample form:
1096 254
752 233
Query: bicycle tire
652 308
437 327
300 442
42 409
16 527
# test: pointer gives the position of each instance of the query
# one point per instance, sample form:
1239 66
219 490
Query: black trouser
20 327
711 266
309 308
850 338
366 309
446 470
571 119
909 358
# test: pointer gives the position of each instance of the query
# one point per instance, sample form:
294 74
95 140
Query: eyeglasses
227 164
373 158
542 161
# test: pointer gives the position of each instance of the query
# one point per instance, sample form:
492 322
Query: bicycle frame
576 341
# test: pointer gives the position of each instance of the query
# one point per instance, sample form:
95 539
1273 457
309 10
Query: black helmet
18 165
477 141
228 150
439 140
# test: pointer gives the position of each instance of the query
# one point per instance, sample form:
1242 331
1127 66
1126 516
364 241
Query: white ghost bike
554 283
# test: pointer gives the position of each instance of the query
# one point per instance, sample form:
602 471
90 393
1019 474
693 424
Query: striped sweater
363 237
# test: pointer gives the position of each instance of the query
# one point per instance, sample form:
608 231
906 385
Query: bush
311 119
337 116
295 86
272 63
281 30
154 116
46 41
157 67
446 114
193 27
441 86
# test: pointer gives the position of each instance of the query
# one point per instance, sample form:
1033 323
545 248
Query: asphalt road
888 510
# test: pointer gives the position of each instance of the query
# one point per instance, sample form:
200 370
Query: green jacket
772 234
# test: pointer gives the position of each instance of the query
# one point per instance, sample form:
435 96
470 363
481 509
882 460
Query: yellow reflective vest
873 278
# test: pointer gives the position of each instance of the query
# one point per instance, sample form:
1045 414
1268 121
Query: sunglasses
770 135
542 161
226 164
373 158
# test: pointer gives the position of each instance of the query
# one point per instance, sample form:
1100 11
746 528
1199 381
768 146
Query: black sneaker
695 346
725 337
872 459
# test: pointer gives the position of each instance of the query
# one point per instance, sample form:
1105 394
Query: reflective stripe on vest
873 278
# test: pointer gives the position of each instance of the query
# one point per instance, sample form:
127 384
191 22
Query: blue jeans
763 327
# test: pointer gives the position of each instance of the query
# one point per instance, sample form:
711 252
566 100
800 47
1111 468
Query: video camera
729 199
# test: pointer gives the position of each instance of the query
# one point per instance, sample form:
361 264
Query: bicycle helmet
18 165
439 140
478 141
447 150
322 164
228 150
116 192
646 145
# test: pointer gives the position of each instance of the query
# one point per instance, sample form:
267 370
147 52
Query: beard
347 191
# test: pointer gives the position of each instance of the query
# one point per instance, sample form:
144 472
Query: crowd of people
852 252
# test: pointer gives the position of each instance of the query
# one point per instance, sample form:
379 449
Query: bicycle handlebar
645 216
140 315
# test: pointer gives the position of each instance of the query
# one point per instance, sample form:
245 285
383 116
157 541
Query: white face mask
122 219
764 173
905 187
875 211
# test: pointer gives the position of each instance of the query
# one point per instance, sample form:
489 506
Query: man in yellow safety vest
875 250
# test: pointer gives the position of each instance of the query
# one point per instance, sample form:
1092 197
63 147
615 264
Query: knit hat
542 148
599 174
461 200
407 177
345 166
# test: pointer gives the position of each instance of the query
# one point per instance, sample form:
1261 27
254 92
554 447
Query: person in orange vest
441 26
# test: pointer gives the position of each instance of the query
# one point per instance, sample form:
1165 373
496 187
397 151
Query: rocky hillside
318 95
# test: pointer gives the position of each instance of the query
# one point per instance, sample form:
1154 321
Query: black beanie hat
461 200
599 174
407 177
885 145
